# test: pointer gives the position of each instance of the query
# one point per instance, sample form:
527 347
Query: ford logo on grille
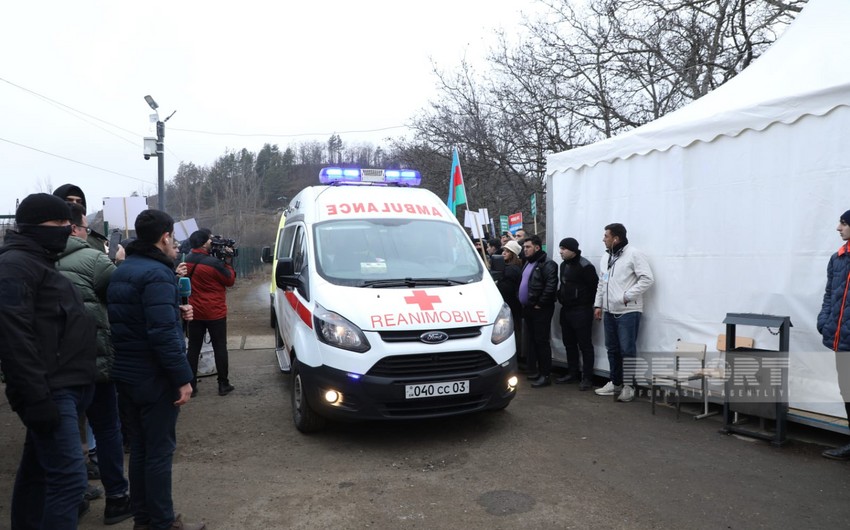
434 337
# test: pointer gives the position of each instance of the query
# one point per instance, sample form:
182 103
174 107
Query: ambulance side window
299 261
285 244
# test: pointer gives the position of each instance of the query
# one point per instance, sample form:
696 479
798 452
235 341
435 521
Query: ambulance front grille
413 335
432 364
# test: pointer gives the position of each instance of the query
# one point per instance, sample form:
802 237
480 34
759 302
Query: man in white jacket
626 275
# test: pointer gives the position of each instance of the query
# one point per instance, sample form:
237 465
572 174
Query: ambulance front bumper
382 394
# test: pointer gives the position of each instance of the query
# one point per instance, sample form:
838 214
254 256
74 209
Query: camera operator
210 277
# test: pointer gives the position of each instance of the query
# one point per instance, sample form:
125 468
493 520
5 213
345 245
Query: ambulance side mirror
284 273
266 257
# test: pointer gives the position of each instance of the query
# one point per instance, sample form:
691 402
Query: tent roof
804 73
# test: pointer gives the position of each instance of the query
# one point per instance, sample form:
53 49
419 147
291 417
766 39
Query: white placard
121 212
183 229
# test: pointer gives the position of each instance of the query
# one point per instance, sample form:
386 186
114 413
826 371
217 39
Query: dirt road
556 458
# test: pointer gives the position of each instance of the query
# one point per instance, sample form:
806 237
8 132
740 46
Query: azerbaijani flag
457 192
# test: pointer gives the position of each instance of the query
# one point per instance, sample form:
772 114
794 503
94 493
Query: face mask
52 238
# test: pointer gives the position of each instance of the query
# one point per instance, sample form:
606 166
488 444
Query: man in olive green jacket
90 271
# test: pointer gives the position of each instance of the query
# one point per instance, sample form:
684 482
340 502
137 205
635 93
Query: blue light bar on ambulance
399 177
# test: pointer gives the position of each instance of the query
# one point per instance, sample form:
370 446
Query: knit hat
199 237
846 217
514 247
40 207
65 190
569 244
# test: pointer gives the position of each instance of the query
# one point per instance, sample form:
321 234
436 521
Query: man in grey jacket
626 275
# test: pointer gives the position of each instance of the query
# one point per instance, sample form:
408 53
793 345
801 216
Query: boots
570 377
117 509
224 388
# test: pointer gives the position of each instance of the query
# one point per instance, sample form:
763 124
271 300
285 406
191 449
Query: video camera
222 247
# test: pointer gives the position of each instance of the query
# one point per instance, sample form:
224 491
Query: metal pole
160 156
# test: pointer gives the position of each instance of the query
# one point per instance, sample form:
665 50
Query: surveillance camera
147 157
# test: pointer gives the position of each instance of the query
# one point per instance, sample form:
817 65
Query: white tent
734 199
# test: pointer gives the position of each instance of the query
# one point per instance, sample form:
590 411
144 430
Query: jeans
576 332
621 333
51 478
218 338
538 324
151 421
103 419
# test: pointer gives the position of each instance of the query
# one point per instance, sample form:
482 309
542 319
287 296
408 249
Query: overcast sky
73 76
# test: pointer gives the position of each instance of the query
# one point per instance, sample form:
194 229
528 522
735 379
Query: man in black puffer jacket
537 292
576 295
47 352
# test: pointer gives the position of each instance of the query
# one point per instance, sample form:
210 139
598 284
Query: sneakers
93 492
117 510
627 394
585 385
609 389
224 388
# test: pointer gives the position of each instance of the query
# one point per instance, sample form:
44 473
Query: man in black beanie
834 321
151 370
74 195
47 354
577 291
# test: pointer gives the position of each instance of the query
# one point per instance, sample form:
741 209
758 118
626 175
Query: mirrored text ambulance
383 310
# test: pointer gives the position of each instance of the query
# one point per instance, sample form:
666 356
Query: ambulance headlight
503 328
336 331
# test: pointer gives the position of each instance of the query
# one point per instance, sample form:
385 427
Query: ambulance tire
305 418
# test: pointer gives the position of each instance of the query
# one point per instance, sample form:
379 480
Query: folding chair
691 369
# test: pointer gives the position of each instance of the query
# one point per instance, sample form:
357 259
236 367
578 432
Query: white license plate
428 390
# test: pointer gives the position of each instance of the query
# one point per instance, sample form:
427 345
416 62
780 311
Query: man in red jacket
210 278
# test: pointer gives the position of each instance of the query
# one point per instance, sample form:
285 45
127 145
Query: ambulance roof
325 203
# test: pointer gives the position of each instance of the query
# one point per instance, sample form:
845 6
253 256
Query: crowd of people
532 283
93 345
88 344
613 295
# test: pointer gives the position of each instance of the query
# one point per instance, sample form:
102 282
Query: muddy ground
555 458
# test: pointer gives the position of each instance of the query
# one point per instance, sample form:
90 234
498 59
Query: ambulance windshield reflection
372 252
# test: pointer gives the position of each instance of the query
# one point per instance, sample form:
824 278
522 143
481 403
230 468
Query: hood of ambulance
417 308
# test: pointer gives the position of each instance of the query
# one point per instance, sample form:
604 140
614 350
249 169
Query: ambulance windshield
395 253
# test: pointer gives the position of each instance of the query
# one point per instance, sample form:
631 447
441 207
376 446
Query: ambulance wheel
305 418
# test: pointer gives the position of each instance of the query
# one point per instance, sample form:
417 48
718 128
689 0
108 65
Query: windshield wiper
409 282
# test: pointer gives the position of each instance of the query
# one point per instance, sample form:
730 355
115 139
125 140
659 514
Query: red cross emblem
425 301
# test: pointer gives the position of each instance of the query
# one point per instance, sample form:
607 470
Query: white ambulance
382 308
